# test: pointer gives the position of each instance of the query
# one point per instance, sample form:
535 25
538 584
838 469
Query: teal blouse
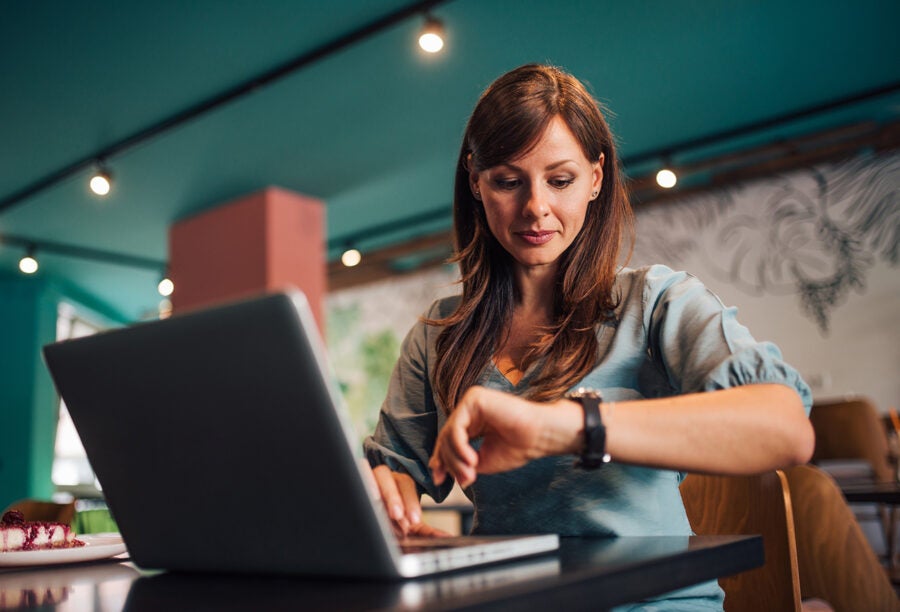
669 335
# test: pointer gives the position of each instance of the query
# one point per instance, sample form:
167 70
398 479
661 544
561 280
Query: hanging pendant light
29 264
431 38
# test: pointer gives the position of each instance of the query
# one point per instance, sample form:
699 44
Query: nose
535 205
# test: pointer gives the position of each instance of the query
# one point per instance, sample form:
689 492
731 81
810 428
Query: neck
535 290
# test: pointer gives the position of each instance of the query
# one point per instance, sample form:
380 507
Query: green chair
96 520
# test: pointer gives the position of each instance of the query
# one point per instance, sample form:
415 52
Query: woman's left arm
742 430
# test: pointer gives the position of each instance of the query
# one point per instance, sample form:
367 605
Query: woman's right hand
401 500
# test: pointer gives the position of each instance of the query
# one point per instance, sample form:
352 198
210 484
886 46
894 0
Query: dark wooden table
871 492
585 574
887 494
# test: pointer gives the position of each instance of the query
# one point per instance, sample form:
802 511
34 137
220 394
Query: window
72 472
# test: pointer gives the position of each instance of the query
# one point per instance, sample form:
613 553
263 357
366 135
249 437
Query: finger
445 462
460 469
439 465
465 475
461 447
410 496
438 473
390 495
453 440
369 477
427 531
404 526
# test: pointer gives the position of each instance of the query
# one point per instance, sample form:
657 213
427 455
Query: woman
478 394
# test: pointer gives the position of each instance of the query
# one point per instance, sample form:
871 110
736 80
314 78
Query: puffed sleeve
409 420
700 343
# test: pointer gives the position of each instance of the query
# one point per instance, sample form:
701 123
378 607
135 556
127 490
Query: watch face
583 392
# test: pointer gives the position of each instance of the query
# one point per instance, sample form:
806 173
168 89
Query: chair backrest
835 560
759 504
894 419
852 429
37 510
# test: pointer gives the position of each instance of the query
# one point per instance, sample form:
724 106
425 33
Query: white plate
97 546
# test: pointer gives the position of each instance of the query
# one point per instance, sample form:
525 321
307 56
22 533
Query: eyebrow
552 166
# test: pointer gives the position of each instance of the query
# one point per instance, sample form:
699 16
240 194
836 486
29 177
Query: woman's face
536 204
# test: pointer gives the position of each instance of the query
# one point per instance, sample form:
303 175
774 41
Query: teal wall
28 400
29 405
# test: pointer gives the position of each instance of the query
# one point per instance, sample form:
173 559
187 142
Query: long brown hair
508 120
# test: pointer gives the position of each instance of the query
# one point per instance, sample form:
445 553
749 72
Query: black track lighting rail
759 126
390 227
36 246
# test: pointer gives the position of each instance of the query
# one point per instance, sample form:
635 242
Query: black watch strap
594 454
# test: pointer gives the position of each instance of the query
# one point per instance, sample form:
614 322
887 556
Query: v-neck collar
499 378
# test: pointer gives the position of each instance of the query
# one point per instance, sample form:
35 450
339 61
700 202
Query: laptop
222 445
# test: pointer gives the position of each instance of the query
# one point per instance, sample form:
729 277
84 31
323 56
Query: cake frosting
18 534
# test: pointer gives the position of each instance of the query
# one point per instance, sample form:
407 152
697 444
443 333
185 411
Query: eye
507 184
561 183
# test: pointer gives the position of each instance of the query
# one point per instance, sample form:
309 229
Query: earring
594 195
477 194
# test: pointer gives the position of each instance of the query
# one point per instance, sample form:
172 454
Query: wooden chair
37 510
758 504
851 429
836 562
892 427
894 418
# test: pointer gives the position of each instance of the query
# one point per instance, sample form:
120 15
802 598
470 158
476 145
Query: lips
536 237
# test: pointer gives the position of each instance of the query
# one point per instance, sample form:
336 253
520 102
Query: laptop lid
222 444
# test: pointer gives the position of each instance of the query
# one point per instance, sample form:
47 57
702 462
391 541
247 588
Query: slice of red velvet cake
18 534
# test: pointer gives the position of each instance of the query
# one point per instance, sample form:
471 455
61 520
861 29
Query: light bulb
101 182
28 264
432 37
431 42
165 287
666 178
351 257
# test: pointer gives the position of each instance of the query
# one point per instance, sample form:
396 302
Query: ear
597 174
473 181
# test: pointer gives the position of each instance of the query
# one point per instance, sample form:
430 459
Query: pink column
261 242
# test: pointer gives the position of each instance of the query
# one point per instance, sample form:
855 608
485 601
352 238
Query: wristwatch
594 454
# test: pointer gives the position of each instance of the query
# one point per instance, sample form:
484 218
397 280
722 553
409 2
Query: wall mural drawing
365 328
813 232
